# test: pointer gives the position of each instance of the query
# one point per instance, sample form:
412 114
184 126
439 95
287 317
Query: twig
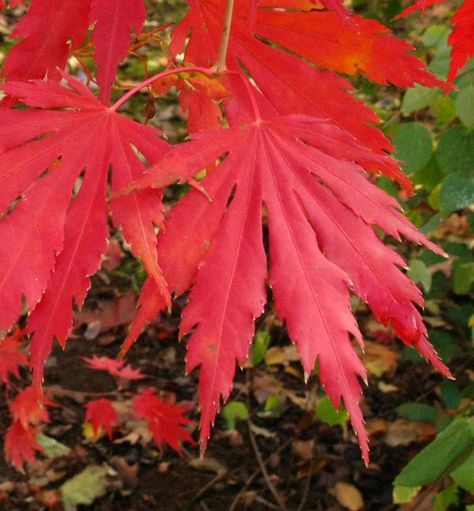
164 74
307 485
220 64
265 502
210 484
263 468
253 476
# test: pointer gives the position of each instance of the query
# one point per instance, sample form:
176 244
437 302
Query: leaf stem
192 69
220 65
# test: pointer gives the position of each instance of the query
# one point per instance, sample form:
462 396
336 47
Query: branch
204 70
220 65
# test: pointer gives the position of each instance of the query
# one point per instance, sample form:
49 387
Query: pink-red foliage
296 157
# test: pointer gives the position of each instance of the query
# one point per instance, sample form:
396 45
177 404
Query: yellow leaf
348 496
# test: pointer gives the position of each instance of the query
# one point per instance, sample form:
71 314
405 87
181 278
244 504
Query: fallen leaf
348 496
304 449
405 432
376 427
85 487
264 387
110 313
387 387
275 356
51 447
113 256
127 473
207 464
379 359
263 432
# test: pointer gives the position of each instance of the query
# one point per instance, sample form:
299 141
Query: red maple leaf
461 38
114 20
362 46
115 367
166 422
46 33
296 153
321 212
102 415
11 358
10 3
50 30
56 157
21 445
28 407
419 5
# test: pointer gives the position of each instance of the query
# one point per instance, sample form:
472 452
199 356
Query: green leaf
233 412
414 146
465 106
260 346
455 151
405 494
419 273
443 422
430 176
440 64
457 191
446 498
326 413
466 78
463 476
435 36
447 451
419 412
461 314
51 447
418 98
273 407
444 109
84 488
450 394
463 277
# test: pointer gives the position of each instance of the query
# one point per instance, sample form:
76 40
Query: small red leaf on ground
166 422
115 367
102 415
21 445
28 408
11 358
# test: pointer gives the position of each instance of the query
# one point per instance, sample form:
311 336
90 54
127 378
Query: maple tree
284 144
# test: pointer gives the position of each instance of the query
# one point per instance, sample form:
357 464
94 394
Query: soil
304 458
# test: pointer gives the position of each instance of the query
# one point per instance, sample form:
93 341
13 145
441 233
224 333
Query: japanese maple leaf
21 445
200 97
419 5
46 33
50 30
289 83
303 172
115 367
461 38
102 415
56 156
11 358
10 3
166 422
28 407
114 21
